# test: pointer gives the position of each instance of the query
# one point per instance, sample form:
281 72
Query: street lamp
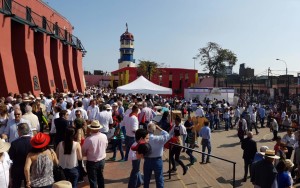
194 58
287 82
149 71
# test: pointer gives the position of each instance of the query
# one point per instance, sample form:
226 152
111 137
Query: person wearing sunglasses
11 132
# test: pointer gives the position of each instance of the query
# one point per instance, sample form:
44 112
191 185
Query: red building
175 78
37 50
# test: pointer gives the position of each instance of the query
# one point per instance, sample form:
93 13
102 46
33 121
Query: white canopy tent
142 85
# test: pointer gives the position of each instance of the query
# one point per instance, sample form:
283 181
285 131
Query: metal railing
38 22
197 151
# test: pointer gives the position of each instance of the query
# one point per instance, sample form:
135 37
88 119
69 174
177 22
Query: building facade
38 51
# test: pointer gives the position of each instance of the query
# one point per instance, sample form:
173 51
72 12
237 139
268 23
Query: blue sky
172 31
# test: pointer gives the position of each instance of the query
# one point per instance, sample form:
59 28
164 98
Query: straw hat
107 107
26 99
289 163
4 146
40 140
114 104
271 154
95 125
31 97
62 184
131 105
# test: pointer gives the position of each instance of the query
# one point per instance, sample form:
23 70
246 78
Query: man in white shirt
105 119
92 110
70 98
146 115
86 101
33 119
83 112
200 112
131 124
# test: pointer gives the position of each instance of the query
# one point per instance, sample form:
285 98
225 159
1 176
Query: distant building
246 72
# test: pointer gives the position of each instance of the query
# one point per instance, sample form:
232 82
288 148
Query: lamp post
287 81
194 58
149 71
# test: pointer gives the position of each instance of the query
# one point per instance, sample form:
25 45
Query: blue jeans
72 175
95 173
226 123
135 179
156 165
128 143
217 123
206 144
117 143
190 154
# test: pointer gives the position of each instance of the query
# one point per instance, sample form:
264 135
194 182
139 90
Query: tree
213 57
148 68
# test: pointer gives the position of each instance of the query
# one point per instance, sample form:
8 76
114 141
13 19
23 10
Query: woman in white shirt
69 153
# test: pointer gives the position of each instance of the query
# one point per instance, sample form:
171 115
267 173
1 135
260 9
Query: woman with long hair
69 152
38 168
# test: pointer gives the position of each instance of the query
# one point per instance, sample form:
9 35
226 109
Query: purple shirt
94 147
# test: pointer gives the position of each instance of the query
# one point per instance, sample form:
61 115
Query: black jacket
18 152
263 173
60 124
249 147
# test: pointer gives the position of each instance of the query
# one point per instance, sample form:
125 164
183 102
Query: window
28 14
170 84
66 34
44 22
7 5
127 42
55 29
170 76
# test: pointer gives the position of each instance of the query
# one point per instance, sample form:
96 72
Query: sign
65 84
52 83
36 84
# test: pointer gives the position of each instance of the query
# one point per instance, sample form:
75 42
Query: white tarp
142 85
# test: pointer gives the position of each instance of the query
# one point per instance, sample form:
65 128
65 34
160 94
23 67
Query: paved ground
225 144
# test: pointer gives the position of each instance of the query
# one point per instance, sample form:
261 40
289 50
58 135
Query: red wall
24 59
45 70
43 9
29 58
7 68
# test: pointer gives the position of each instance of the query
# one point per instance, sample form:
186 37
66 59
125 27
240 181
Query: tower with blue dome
126 50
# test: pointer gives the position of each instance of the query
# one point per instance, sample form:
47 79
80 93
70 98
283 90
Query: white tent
142 85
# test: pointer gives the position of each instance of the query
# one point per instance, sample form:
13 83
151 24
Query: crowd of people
73 131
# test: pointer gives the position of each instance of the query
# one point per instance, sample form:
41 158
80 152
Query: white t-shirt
132 154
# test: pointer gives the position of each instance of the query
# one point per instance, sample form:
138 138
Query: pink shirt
94 147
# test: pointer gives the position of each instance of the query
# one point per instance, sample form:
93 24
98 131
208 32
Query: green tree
148 68
214 59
